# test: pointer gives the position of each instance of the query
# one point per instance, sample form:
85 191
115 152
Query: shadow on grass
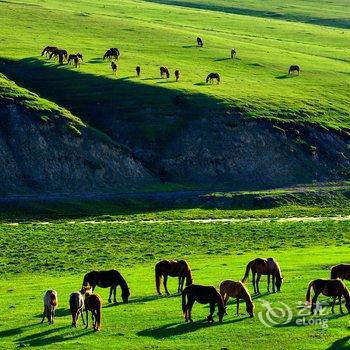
222 59
284 76
341 344
174 329
189 46
16 331
60 312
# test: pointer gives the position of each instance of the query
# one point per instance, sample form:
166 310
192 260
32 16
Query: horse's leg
179 285
314 300
334 299
87 318
274 283
253 280
268 283
189 306
82 316
212 310
165 280
182 284
340 306
44 314
114 293
257 283
237 312
110 294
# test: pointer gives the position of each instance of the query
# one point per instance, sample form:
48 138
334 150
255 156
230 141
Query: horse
199 42
164 70
138 71
233 53
113 52
105 279
50 304
114 67
177 75
76 304
237 290
203 295
267 267
93 303
331 288
293 69
212 76
75 59
341 271
58 53
173 268
48 49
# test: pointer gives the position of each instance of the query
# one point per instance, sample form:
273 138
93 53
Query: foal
93 303
50 304
76 304
237 290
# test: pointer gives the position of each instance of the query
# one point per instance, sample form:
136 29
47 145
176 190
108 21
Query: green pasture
148 34
57 254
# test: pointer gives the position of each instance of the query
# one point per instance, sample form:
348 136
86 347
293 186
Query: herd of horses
87 300
113 55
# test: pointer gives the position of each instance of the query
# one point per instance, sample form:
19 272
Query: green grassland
57 254
148 34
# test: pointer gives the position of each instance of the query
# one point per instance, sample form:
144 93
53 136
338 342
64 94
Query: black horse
199 42
105 279
210 78
293 69
203 295
113 52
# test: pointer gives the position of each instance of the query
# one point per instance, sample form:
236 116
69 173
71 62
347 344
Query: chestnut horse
50 304
341 271
199 42
173 268
76 304
105 279
212 76
293 69
48 49
203 295
164 71
237 290
331 288
93 303
267 267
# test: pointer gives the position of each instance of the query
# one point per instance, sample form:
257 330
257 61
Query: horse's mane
278 269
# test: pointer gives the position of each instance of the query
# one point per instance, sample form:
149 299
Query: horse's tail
98 316
184 306
53 300
249 266
189 277
158 276
334 272
308 293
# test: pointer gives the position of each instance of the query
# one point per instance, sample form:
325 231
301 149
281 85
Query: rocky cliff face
255 154
47 156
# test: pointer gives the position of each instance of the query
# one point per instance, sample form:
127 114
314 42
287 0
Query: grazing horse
58 53
76 304
173 268
164 70
293 69
237 290
212 76
331 288
114 67
233 53
105 279
93 303
267 267
177 75
48 49
113 52
76 59
50 304
203 295
199 42
138 71
341 271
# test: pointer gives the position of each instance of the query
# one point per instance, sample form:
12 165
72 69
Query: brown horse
199 42
331 288
212 76
173 268
341 271
138 71
58 53
267 267
76 304
177 75
237 290
50 304
93 303
76 59
233 53
112 53
164 71
203 295
48 49
114 67
293 69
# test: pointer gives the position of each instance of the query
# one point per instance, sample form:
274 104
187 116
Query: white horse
76 304
50 304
